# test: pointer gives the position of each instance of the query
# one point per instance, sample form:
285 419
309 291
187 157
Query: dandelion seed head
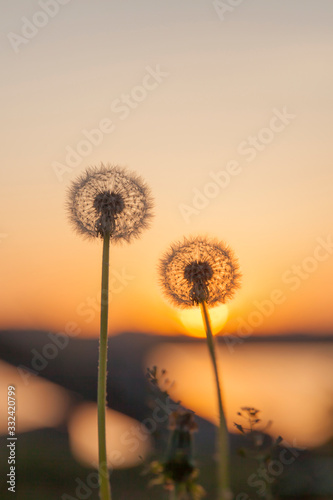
198 272
109 202
199 269
109 199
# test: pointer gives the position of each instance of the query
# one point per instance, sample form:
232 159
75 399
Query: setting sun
192 320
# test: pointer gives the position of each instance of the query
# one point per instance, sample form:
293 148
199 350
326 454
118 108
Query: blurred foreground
55 413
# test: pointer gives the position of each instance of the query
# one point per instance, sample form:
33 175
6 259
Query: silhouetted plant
204 272
260 445
114 205
177 472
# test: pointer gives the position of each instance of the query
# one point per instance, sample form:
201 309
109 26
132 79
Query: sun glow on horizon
192 320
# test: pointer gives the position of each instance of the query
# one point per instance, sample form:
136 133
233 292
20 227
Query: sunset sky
227 116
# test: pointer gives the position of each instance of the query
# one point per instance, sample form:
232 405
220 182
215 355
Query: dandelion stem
174 492
224 492
105 490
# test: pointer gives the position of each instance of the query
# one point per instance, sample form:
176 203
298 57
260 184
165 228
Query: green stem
224 492
174 493
105 491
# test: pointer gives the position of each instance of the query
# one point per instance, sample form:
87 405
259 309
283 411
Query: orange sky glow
232 135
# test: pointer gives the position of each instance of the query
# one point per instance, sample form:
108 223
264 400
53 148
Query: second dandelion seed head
199 269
